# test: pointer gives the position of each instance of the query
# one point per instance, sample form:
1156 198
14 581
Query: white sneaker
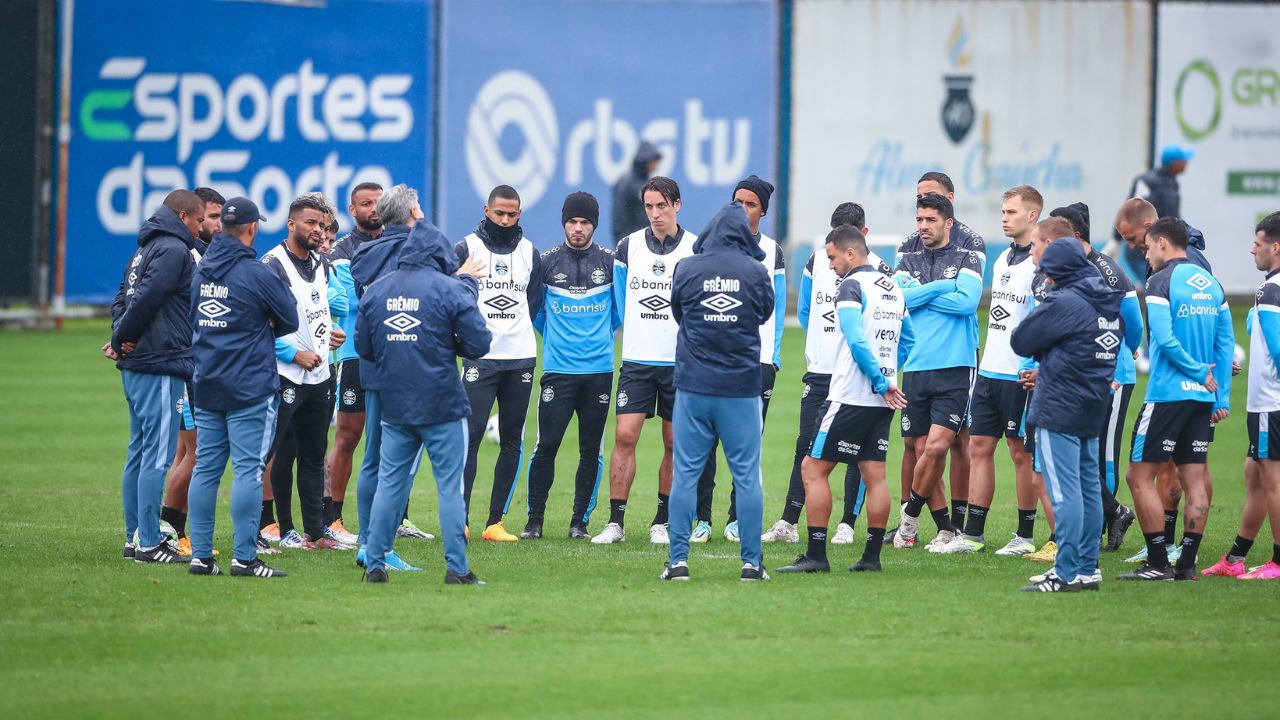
782 531
963 545
731 532
844 535
906 535
293 541
940 541
658 534
701 532
611 534
1043 576
1018 546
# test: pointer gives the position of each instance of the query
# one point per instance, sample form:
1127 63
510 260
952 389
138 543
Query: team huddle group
227 357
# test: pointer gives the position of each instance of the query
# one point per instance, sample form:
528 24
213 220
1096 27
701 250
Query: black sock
176 518
875 539
1170 527
660 517
915 504
1026 523
976 526
817 542
1240 550
1275 554
268 514
958 509
576 521
617 508
791 512
326 510
1157 551
941 520
495 517
1053 537
337 509
1190 548
849 518
535 518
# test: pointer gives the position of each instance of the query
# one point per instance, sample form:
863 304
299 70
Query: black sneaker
751 573
376 576
889 535
164 553
532 531
1185 573
255 568
265 547
680 571
1053 584
129 550
1147 571
203 566
453 578
579 532
806 564
1117 526
865 565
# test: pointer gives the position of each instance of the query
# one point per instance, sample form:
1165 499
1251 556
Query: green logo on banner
1205 68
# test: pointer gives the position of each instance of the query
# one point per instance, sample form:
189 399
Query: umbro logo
722 303
1108 341
213 309
999 314
402 322
501 303
829 316
1199 282
655 303
560 277
885 284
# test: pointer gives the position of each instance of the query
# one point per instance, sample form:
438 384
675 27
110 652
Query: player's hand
894 398
127 348
307 360
1210 382
1220 414
109 352
475 267
1114 386
336 337
1027 378
1235 368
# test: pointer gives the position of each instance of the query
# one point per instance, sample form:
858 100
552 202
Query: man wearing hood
238 308
720 296
509 299
628 205
412 325
151 343
1074 335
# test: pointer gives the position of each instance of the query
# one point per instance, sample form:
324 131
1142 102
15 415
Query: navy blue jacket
412 325
238 307
375 258
720 296
152 305
1075 334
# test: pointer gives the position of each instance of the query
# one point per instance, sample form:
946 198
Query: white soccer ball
1239 355
491 430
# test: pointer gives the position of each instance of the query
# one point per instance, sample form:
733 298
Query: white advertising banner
995 94
1218 92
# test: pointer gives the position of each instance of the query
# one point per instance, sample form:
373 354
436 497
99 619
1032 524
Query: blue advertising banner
553 97
257 99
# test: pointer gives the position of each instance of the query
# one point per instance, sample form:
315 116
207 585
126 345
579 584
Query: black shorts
997 408
1264 444
850 433
648 389
936 397
1180 430
350 394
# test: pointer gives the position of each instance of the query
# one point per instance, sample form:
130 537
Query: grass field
570 630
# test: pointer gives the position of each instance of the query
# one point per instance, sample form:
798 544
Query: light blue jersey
942 288
1190 329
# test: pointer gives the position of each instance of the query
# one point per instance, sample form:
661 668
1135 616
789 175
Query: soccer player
642 269
874 334
577 320
1074 334
816 310
1262 467
753 193
999 400
412 324
238 307
303 367
720 296
1191 351
509 299
151 343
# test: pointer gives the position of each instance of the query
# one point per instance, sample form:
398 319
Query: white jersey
504 299
879 302
313 318
820 341
1011 300
648 329
1264 381
773 264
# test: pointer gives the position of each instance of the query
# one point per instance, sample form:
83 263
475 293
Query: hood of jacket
645 154
1195 238
729 231
223 253
375 257
427 247
165 222
1065 262
1078 215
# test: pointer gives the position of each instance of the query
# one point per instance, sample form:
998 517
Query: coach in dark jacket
720 296
1075 334
628 206
151 343
412 325
238 307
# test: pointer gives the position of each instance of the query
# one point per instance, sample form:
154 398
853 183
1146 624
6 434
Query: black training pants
511 390
560 396
303 423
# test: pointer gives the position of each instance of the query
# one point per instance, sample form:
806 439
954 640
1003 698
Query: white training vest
313 318
1011 300
1264 381
882 311
649 330
770 326
504 299
820 340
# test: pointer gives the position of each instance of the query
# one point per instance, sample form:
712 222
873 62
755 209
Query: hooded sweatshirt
152 305
238 307
628 207
411 326
720 296
1075 335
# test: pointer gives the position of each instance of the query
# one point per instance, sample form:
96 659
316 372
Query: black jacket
1075 334
720 296
151 308
375 258
628 207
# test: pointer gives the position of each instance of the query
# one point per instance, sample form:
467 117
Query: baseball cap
240 211
1173 153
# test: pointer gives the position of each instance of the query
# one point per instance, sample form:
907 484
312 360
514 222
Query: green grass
568 630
